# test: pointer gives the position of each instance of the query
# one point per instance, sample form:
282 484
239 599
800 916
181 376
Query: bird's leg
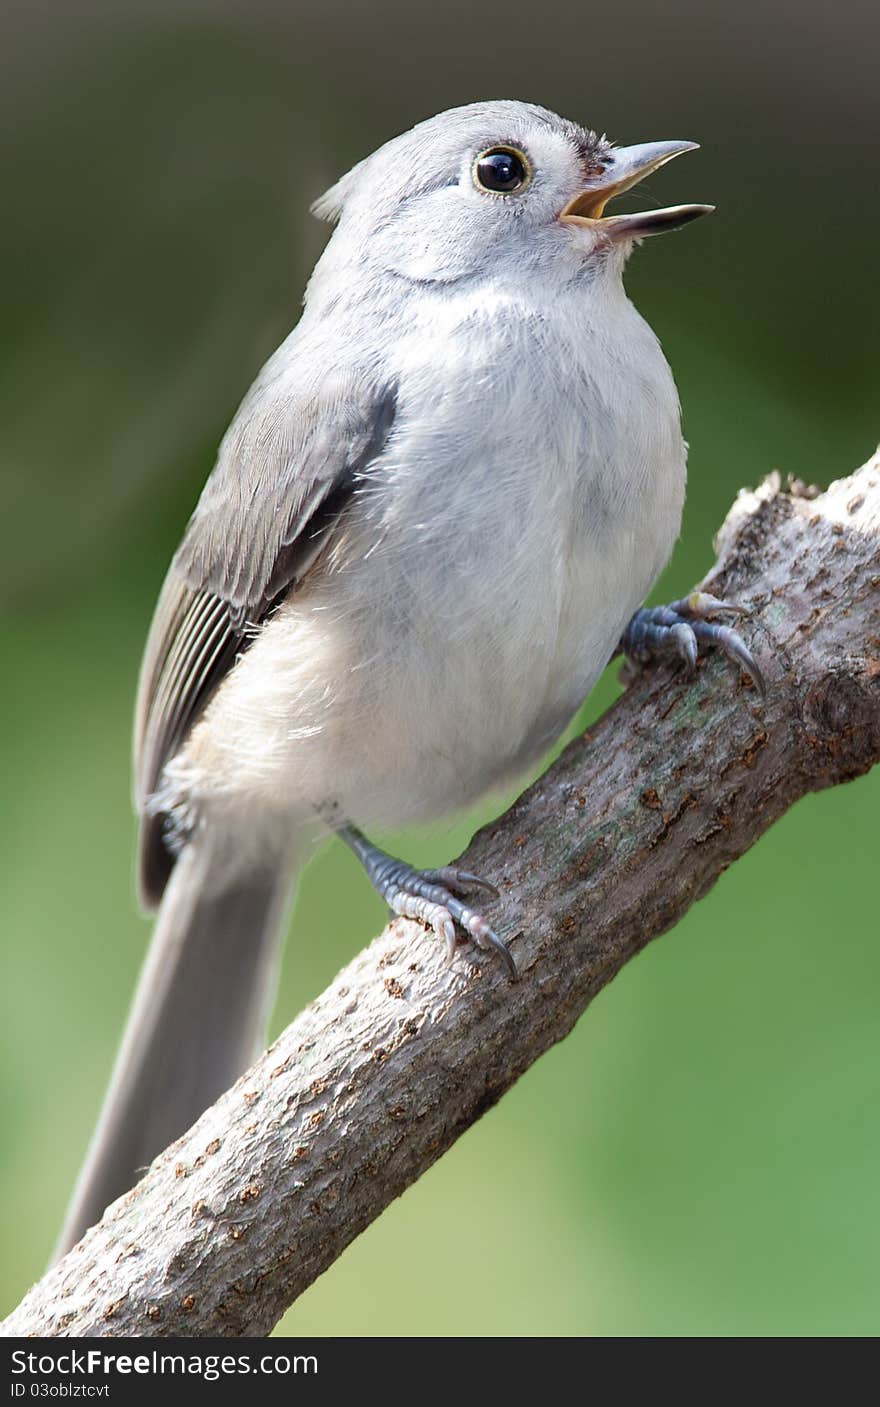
681 628
427 895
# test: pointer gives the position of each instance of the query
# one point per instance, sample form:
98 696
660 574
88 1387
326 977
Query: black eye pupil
500 171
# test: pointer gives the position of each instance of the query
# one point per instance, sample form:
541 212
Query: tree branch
635 822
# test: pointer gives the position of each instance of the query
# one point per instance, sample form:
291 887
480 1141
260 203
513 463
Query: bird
431 524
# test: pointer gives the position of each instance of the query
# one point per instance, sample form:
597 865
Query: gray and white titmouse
427 532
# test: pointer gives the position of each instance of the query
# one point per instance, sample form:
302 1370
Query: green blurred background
701 1155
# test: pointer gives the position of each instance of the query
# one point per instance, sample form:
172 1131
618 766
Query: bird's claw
428 897
417 894
683 627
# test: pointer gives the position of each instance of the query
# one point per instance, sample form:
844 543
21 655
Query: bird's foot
428 896
683 627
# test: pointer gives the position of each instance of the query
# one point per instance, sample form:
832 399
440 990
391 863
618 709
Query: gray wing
285 473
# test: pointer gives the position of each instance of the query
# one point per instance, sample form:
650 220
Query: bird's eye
502 170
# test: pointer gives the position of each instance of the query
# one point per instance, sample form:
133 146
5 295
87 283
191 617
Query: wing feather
285 474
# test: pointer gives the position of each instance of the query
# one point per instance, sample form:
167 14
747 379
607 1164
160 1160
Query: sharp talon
504 952
685 643
449 936
486 938
734 647
738 651
454 878
729 608
701 604
475 881
745 657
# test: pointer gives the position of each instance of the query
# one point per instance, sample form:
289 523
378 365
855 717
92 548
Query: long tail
196 1023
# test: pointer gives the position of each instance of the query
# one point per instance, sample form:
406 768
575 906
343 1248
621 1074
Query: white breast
536 497
529 496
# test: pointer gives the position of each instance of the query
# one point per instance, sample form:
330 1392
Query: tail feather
197 1020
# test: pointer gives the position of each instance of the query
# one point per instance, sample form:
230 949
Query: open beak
628 166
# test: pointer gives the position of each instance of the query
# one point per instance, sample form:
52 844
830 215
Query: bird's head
496 186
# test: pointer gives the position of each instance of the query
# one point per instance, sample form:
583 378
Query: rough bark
635 822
